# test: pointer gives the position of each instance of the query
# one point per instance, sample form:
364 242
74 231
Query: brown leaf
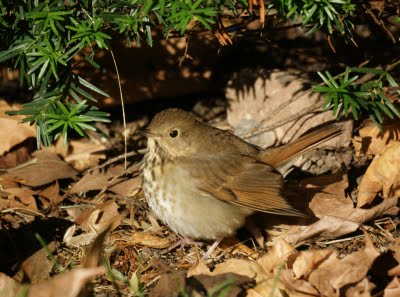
37 267
52 194
382 174
278 254
11 131
392 289
270 287
296 287
334 273
94 221
149 240
45 168
281 94
68 284
127 187
227 284
93 180
84 154
362 289
74 283
327 227
331 201
8 286
372 141
308 261
19 198
170 284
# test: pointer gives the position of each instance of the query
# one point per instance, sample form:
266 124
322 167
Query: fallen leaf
372 141
37 267
276 95
94 221
308 261
18 198
383 174
127 188
393 288
227 284
335 273
99 180
11 131
93 180
270 287
296 287
68 284
43 169
276 256
51 195
8 286
148 240
362 289
84 154
170 284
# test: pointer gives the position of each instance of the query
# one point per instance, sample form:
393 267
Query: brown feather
242 181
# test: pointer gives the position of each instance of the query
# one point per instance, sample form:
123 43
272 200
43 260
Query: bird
204 182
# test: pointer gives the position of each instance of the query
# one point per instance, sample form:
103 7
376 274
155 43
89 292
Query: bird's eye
173 133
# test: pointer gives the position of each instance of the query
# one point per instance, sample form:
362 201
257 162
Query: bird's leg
181 242
212 248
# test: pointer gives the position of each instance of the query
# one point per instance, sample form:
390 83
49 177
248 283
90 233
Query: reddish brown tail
279 156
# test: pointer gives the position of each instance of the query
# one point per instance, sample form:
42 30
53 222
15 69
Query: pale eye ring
174 133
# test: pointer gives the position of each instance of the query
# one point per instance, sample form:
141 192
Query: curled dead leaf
149 240
392 289
12 132
383 174
335 273
44 168
372 141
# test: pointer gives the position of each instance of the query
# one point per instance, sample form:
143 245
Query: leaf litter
335 252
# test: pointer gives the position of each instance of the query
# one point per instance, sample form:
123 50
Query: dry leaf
297 287
382 174
96 180
372 141
51 195
11 131
68 284
149 240
230 284
308 261
392 289
277 255
334 273
273 96
93 180
84 154
45 168
8 286
18 198
94 221
362 289
327 227
270 287
170 284
127 188
37 267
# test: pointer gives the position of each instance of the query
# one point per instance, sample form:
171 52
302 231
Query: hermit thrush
203 182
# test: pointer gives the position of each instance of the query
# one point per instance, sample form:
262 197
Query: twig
123 109
117 158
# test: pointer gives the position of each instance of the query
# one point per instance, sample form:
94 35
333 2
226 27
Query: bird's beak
141 132
146 133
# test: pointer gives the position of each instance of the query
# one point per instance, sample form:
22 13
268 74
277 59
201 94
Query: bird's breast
173 197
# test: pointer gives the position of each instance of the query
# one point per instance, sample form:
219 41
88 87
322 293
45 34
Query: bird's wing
243 181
